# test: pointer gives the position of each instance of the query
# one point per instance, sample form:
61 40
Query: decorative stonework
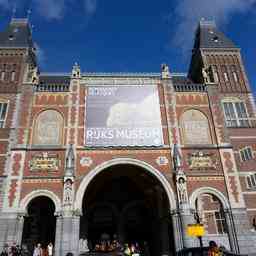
201 161
162 160
212 178
195 128
86 161
48 128
44 162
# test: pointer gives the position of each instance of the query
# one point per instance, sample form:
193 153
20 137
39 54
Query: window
251 181
3 111
13 76
235 114
234 73
226 79
225 73
215 74
246 154
2 75
220 222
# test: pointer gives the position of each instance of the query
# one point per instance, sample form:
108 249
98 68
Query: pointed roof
209 36
16 35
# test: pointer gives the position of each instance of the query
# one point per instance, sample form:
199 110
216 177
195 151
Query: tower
17 64
216 61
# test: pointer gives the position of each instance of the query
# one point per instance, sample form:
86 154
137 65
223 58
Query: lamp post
197 219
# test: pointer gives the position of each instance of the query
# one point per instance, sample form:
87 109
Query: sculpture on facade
165 71
182 189
205 73
83 246
176 158
68 192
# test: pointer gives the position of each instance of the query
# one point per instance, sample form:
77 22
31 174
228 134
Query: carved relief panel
195 128
48 128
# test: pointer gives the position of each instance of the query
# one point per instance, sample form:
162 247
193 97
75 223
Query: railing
51 88
190 88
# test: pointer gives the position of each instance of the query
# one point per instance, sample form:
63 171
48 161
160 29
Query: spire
209 36
76 71
17 34
70 162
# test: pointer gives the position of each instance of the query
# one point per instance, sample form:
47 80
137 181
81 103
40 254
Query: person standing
38 250
5 250
213 249
50 249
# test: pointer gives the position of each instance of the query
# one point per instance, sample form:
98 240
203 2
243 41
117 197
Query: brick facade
219 166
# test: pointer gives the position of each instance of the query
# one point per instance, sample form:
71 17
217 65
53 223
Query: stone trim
42 192
208 190
93 173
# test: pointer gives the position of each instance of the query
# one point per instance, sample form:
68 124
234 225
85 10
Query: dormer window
2 75
215 39
13 76
234 73
11 37
225 74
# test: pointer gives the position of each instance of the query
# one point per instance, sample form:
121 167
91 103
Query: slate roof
180 79
16 35
208 36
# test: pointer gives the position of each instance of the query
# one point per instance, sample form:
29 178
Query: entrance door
40 224
126 203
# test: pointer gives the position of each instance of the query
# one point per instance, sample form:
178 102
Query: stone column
177 230
11 228
187 217
20 228
58 235
67 234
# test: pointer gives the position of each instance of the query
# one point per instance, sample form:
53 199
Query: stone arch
124 161
34 194
195 127
208 190
55 135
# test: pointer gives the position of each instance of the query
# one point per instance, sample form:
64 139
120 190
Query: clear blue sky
130 36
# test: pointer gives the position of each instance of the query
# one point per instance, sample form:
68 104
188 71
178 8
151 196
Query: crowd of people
16 250
103 246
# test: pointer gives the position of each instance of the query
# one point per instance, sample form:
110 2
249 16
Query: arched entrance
40 223
128 203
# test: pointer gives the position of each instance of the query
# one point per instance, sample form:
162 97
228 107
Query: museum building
135 157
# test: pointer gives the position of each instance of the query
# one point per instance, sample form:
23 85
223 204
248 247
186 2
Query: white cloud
40 54
189 12
5 5
90 6
51 9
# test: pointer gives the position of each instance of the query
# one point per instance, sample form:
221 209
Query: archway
127 203
40 223
210 206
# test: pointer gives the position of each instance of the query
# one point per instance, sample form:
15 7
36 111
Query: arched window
235 113
210 211
195 128
13 76
48 129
